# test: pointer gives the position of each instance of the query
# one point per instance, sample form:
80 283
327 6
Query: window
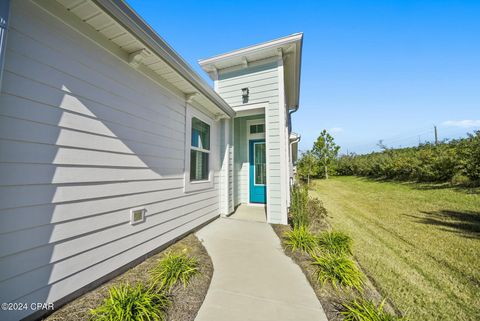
199 150
257 129
260 164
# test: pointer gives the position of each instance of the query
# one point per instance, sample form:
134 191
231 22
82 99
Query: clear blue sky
371 70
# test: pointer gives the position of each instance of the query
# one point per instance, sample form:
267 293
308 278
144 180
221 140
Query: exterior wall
226 171
241 161
261 79
265 82
83 139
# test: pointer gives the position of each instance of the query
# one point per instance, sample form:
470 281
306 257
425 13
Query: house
111 146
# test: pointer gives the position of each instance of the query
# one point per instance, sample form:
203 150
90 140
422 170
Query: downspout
4 14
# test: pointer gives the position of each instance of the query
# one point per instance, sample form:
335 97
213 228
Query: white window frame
192 186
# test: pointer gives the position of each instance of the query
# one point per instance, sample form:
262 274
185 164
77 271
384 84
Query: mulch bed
329 297
185 302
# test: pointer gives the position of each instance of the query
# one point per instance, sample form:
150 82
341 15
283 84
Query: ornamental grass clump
300 238
173 268
337 269
132 303
335 242
366 310
299 215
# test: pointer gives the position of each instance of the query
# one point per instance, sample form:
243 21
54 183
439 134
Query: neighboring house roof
291 49
119 23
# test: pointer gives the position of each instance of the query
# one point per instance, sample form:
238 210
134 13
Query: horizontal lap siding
261 80
83 139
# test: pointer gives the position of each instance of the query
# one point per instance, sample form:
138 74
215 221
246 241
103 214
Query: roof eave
251 49
128 18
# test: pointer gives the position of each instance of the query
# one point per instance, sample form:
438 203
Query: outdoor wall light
245 93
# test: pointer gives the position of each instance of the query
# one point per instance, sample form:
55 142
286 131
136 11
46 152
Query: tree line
456 161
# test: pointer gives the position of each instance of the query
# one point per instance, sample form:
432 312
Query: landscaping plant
335 242
174 267
132 303
442 162
337 269
300 238
366 310
299 206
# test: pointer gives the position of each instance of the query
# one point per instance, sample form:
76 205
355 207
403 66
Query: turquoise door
258 171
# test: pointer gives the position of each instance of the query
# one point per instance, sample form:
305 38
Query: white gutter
127 17
4 14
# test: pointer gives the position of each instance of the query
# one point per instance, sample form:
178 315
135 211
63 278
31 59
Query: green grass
132 303
366 310
419 243
173 268
335 242
300 238
337 269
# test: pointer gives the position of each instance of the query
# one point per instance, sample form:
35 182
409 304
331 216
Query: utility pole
436 134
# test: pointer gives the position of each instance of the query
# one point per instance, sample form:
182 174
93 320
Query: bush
300 238
316 212
174 267
366 310
299 206
128 303
335 242
337 269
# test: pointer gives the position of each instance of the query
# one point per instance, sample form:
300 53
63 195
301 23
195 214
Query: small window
137 216
199 150
257 129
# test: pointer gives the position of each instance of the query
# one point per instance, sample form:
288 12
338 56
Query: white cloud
467 123
336 130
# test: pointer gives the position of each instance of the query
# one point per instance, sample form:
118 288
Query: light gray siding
262 79
83 139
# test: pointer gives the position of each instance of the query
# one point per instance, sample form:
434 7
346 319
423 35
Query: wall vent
137 215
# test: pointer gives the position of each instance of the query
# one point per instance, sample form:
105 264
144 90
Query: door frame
251 166
250 137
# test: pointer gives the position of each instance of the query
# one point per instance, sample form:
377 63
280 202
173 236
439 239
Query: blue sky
371 70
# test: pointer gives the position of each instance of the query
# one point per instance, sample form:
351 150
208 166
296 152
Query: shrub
298 206
128 303
300 238
335 242
366 310
337 269
425 163
174 267
316 212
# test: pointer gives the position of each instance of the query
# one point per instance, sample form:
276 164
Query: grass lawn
420 244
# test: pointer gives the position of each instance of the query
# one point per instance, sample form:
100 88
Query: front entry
258 171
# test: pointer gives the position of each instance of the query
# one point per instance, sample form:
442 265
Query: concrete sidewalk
253 279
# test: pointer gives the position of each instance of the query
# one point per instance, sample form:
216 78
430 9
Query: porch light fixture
245 93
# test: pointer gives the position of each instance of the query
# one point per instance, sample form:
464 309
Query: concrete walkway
253 279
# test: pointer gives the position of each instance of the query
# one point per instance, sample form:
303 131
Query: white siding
261 80
83 139
265 83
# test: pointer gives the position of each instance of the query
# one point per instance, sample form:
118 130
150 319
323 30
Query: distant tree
307 166
325 150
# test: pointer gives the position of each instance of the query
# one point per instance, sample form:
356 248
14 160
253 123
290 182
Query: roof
117 22
291 49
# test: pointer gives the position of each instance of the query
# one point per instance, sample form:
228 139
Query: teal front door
258 171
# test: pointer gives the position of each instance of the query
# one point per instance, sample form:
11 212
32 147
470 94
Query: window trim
191 186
